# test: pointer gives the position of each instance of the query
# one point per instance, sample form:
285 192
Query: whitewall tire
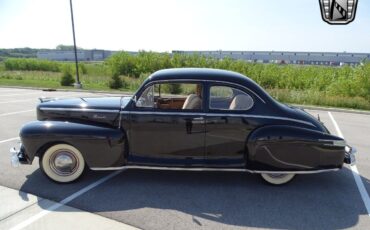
62 163
277 178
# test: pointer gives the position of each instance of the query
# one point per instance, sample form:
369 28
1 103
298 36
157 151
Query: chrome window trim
236 84
80 110
163 113
216 114
202 80
211 169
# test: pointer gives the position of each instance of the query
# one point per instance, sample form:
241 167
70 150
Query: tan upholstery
193 101
241 102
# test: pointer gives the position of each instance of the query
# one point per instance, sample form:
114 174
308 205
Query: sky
166 25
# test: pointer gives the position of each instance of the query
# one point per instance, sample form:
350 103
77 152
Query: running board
212 169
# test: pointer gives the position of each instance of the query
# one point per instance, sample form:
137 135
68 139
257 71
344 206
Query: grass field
347 87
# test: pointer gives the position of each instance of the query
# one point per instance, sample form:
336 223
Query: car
181 119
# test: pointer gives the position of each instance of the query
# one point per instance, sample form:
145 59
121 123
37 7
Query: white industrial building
69 55
303 58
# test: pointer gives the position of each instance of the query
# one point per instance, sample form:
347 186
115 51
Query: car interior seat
193 101
241 102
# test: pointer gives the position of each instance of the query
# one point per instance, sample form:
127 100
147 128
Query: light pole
78 83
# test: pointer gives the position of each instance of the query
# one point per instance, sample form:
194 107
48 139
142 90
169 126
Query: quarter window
229 98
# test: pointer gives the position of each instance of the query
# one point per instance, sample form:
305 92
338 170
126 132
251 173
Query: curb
322 108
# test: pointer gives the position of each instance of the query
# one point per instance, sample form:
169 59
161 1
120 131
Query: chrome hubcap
64 163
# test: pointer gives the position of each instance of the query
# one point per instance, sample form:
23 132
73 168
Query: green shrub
172 88
82 68
336 81
115 82
31 64
67 78
5 76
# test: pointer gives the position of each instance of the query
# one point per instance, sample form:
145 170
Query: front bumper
18 156
349 156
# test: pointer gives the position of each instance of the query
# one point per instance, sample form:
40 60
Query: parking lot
189 200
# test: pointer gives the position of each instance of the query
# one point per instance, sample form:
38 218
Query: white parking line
10 139
34 99
65 201
24 111
18 94
9 102
14 91
355 173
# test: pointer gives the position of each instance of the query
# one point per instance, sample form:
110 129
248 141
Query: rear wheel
277 178
62 163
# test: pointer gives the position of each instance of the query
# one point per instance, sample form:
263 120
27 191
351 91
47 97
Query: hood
105 103
103 110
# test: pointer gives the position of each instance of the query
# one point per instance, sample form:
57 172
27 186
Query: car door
227 126
162 132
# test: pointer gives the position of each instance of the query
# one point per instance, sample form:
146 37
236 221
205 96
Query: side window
172 96
229 98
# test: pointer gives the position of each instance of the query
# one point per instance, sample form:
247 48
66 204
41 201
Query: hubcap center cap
64 163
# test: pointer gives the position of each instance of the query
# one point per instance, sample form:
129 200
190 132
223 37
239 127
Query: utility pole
78 83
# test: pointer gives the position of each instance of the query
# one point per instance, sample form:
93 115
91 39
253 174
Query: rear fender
100 146
289 148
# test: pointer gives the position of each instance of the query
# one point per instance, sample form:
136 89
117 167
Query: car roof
209 75
200 74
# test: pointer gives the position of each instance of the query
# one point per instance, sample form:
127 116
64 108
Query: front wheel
277 178
62 163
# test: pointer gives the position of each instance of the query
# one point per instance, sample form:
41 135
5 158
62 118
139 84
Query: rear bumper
18 156
349 156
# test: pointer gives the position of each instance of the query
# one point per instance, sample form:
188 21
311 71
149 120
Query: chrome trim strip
283 162
211 169
216 114
162 113
80 110
261 116
201 80
338 143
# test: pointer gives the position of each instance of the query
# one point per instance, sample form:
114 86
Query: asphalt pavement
151 199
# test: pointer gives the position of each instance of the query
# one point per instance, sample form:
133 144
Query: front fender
100 146
289 148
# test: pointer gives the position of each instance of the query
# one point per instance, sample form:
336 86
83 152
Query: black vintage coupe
190 118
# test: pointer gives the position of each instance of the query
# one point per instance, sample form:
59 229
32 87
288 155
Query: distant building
303 58
69 55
